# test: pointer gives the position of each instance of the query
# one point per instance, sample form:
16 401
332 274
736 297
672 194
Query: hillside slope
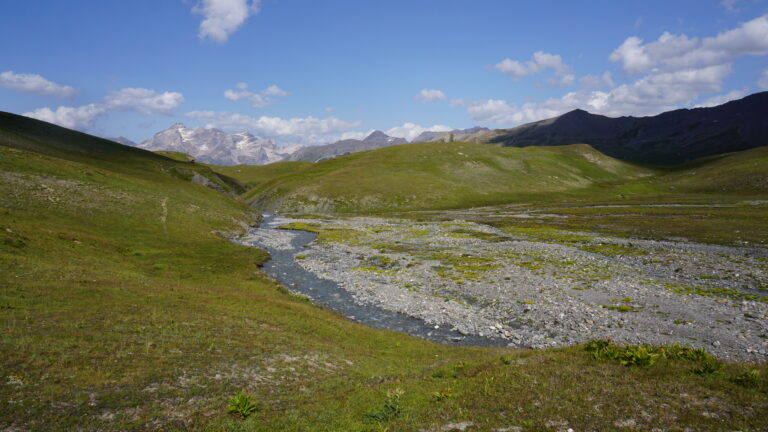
28 134
124 309
669 138
439 175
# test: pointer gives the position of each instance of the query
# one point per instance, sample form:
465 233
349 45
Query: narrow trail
164 213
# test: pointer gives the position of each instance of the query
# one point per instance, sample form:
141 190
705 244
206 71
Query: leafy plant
242 405
390 410
707 367
445 393
748 378
632 355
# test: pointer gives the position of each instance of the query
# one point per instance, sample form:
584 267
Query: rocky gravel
565 289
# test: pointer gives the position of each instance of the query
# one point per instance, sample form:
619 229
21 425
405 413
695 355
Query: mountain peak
578 112
178 126
376 135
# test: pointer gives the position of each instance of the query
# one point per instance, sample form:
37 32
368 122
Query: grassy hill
32 135
124 307
460 175
434 175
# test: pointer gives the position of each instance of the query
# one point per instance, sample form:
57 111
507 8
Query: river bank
471 282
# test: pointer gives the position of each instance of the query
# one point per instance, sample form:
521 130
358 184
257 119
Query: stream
284 245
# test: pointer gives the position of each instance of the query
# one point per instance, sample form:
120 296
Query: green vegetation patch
328 234
463 266
476 234
715 292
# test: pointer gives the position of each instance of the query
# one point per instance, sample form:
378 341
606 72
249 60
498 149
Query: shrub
242 405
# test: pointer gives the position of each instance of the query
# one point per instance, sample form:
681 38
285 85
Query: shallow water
283 245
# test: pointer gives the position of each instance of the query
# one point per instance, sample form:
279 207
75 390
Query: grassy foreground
122 307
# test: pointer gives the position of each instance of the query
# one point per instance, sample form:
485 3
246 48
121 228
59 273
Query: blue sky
310 72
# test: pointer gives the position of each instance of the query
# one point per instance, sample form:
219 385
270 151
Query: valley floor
543 287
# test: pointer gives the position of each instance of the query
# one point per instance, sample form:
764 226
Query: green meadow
125 306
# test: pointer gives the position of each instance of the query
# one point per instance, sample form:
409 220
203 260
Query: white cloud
33 83
596 82
80 118
140 100
143 100
429 95
258 100
763 81
540 62
355 135
306 130
410 131
729 5
221 18
676 52
722 98
649 95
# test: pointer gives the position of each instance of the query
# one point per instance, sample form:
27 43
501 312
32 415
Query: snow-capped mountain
218 147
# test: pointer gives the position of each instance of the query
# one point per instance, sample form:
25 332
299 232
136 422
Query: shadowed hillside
669 138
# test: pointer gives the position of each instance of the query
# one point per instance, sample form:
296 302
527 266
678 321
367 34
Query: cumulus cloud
676 52
597 81
722 98
674 71
143 100
140 100
540 62
33 83
306 130
429 95
410 131
80 118
221 18
355 135
763 81
649 95
258 100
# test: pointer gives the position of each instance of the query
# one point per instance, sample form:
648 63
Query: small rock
716 344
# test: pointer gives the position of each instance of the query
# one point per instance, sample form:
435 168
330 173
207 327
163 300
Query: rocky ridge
217 147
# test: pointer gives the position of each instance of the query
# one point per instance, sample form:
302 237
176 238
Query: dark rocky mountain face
376 139
216 146
668 138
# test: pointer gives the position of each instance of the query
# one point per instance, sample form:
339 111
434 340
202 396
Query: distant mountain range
215 146
668 138
376 139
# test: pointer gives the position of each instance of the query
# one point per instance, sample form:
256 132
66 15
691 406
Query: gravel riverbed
564 289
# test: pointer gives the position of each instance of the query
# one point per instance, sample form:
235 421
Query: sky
314 71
